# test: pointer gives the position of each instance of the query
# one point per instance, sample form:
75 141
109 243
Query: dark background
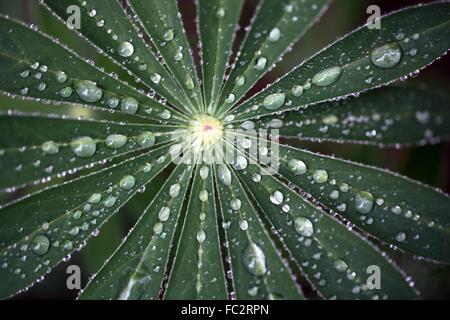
429 164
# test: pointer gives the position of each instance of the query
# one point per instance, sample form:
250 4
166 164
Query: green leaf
162 22
257 268
197 271
334 259
275 28
37 66
34 148
408 41
105 24
38 231
389 116
217 23
395 209
137 269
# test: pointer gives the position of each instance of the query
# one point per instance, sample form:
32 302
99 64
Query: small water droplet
168 35
235 204
260 63
254 259
174 190
400 237
297 167
164 214
146 139
116 141
386 56
95 198
224 174
83 147
274 101
88 91
276 197
129 105
155 77
203 195
40 244
127 182
125 49
304 226
320 176
274 35
363 202
50 147
327 77
201 236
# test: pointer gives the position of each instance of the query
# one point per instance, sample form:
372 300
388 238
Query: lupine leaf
275 28
106 25
254 276
38 231
162 22
217 23
388 116
393 208
334 259
39 67
136 270
34 148
197 271
408 41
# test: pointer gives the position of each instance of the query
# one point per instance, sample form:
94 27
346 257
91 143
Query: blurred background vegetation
429 164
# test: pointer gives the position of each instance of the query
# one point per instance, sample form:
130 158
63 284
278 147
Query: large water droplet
66 92
327 77
363 202
340 265
297 167
274 35
95 198
146 139
125 49
83 146
174 190
60 76
386 56
116 141
260 63
168 35
235 204
224 174
304 226
400 237
241 163
155 77
127 182
40 244
254 259
129 105
320 176
276 197
274 101
50 147
164 214
203 195
204 172
87 90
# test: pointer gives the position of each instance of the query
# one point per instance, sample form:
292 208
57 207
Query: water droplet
220 12
88 91
95 198
168 35
243 224
241 163
165 115
304 226
174 190
224 174
125 49
204 172
297 91
74 231
260 63
83 146
60 76
66 92
340 265
254 259
116 141
201 236
42 86
386 56
68 245
363 202
235 204
113 102
50 147
297 167
274 35
320 176
127 182
203 195
327 77
129 105
276 197
178 55
230 99
40 244
164 214
77 214
25 74
274 101
155 77
400 237
240 81
109 201
147 167
146 139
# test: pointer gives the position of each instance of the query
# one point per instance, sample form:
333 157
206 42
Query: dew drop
276 198
88 91
203 195
60 76
260 63
304 226
274 35
386 56
327 77
125 49
241 163
116 141
230 99
66 92
274 101
340 265
400 237
95 198
201 236
320 176
50 147
164 214
254 259
127 182
113 102
129 105
297 91
168 35
224 174
155 77
146 139
240 81
235 204
363 202
83 147
40 244
204 172
297 167
174 190
109 201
